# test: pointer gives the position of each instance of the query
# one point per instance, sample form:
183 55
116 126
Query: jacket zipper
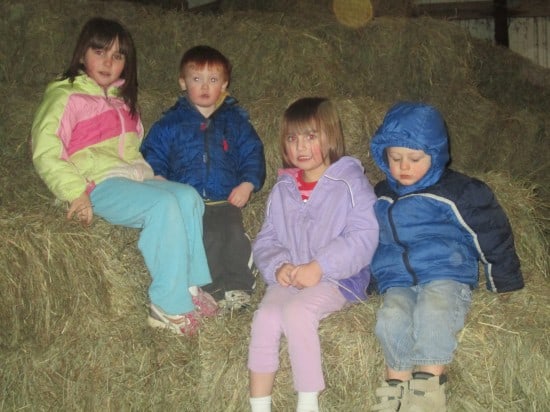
206 154
405 254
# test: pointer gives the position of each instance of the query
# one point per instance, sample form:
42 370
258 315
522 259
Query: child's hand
240 195
284 274
81 209
305 276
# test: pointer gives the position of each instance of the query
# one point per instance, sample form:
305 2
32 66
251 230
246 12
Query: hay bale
74 302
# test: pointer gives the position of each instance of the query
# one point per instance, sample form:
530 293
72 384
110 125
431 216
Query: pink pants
297 314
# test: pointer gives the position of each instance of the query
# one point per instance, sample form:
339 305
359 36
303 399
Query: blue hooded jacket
444 224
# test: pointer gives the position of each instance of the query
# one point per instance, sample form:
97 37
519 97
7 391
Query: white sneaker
235 299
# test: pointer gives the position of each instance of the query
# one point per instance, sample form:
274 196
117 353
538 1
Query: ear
183 86
224 86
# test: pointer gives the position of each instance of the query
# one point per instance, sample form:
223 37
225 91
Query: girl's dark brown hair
313 113
100 33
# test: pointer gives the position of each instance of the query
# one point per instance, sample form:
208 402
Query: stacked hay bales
73 300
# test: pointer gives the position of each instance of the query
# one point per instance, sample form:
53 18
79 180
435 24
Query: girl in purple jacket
314 248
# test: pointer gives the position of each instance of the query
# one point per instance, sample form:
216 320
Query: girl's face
204 86
104 65
408 166
304 150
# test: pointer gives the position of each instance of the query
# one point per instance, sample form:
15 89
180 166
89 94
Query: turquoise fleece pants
169 215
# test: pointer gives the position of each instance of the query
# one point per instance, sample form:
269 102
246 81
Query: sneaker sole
155 320
159 324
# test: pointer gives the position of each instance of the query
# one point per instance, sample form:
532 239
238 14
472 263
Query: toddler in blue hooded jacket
436 225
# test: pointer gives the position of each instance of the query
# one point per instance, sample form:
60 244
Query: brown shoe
393 396
427 394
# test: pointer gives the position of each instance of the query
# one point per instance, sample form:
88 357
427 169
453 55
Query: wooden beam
501 23
529 8
472 10
455 11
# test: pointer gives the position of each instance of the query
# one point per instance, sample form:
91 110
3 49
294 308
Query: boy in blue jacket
435 226
207 141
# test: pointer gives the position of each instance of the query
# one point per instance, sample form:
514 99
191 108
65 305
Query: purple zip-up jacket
336 227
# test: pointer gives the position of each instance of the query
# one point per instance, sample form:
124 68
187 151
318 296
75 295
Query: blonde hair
313 113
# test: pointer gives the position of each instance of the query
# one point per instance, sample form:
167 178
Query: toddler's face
204 86
408 166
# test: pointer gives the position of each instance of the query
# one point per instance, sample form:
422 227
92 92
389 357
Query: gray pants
228 250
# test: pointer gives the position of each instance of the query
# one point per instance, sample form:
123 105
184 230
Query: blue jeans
418 325
169 215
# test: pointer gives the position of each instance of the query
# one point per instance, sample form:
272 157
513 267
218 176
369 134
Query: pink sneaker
205 304
185 324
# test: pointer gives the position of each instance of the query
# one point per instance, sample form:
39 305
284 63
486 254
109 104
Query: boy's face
204 86
408 166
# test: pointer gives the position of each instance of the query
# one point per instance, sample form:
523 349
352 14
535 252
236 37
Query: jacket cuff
89 187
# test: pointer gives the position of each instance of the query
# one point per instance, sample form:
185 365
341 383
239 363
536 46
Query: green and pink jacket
82 135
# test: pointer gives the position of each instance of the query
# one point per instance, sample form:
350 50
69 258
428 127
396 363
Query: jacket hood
112 90
343 169
416 126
